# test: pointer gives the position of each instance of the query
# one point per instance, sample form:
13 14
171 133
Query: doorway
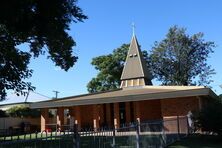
122 113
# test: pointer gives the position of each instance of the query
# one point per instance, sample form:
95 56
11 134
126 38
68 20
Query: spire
133 27
135 71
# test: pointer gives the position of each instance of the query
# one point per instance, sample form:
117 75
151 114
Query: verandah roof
126 95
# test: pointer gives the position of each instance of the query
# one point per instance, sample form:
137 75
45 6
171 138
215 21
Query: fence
40 140
154 134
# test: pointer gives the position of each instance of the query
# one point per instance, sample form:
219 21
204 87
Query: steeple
135 71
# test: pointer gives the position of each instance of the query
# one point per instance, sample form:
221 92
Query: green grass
21 137
27 136
85 141
64 141
120 141
107 141
199 141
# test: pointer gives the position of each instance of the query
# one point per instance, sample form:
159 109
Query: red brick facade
179 106
44 118
96 116
150 110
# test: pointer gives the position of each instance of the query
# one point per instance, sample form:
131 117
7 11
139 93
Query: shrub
210 118
3 114
22 111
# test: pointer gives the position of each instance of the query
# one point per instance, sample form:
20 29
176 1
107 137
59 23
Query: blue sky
109 26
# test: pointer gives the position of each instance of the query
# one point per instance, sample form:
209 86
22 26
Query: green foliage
180 59
3 114
210 117
43 25
22 111
110 69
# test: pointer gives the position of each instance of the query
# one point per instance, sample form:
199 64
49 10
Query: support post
137 134
128 115
178 127
114 138
78 117
163 133
60 117
76 138
137 114
44 118
72 118
95 117
188 126
116 116
108 115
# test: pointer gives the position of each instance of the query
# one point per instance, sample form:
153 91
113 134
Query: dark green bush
3 114
21 111
210 118
220 96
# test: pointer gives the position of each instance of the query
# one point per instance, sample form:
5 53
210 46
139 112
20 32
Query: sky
109 26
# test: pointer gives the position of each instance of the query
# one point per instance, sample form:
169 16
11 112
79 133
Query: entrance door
122 113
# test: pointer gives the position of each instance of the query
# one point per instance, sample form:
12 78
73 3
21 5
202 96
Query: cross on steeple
133 27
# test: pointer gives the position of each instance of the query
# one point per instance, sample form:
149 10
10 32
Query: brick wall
144 110
179 106
86 116
150 110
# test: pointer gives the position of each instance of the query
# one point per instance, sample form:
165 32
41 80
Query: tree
3 113
22 111
210 117
110 69
180 59
220 96
43 25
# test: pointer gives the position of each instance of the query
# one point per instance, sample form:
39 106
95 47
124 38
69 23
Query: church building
136 100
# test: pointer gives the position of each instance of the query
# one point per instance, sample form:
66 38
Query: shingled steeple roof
135 65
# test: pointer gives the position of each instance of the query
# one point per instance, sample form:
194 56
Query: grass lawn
65 141
199 141
29 136
146 141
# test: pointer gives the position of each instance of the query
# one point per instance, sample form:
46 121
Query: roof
126 95
135 66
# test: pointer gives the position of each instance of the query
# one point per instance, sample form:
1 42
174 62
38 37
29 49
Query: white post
138 134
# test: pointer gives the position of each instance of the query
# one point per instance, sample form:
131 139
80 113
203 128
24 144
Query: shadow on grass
199 141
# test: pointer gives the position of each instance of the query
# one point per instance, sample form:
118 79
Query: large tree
220 96
181 59
209 119
43 25
110 69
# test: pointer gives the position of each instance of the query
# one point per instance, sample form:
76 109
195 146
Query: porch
110 115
